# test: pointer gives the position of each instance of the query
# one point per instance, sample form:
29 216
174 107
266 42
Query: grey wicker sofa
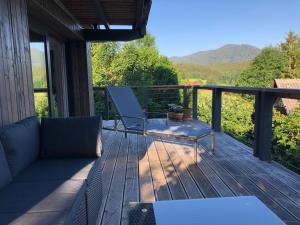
50 172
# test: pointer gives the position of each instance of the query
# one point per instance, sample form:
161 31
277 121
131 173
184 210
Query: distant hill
227 54
221 74
37 58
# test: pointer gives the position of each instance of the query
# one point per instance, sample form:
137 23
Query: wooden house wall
60 75
51 19
71 56
81 100
16 86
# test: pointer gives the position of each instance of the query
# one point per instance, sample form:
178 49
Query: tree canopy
273 62
267 66
291 49
133 63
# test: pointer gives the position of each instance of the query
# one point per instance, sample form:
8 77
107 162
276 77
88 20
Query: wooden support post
263 125
216 109
79 76
195 103
106 105
51 100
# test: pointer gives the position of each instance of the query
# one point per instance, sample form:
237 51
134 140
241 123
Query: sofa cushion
45 218
73 137
21 143
34 197
5 175
56 169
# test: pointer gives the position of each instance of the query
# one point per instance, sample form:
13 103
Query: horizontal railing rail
264 101
41 90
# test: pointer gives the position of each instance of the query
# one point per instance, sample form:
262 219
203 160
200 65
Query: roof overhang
98 17
91 20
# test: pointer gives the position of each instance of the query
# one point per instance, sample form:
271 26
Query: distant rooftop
288 104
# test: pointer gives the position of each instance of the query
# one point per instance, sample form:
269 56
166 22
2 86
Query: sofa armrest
94 192
73 137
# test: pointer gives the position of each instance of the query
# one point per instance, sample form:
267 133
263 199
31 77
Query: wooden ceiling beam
139 14
100 13
113 35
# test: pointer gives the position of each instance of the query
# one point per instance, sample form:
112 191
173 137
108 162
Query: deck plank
114 205
145 178
174 183
142 169
284 209
190 186
207 189
283 203
110 154
131 192
161 188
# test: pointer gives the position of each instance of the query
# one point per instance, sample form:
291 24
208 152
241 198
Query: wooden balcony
145 169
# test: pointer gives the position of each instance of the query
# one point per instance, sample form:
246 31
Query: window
39 73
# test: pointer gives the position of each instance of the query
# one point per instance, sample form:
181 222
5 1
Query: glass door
42 80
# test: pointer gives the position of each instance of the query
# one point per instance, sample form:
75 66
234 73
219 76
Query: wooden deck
144 169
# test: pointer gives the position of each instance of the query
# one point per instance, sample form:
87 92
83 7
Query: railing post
106 105
185 94
263 125
195 103
216 109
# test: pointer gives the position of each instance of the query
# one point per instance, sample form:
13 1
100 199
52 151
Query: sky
182 27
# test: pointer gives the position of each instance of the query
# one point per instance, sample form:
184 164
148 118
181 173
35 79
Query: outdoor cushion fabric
56 169
33 197
74 137
5 175
21 143
35 203
44 218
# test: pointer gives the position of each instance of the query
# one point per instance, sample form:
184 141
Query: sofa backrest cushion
5 175
21 143
73 137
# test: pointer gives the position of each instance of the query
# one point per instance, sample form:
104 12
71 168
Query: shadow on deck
145 169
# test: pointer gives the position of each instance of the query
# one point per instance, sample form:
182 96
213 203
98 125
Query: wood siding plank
15 68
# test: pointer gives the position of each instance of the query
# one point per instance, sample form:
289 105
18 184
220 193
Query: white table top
247 210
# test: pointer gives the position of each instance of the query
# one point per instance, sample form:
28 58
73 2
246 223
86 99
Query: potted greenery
187 111
175 112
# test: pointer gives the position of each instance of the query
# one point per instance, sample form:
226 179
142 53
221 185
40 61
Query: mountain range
37 58
230 53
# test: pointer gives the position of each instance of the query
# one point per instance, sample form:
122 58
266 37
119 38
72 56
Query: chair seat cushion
56 169
74 137
21 143
5 175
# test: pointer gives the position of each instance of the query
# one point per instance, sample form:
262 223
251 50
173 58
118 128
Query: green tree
136 63
103 56
291 49
139 63
133 63
268 65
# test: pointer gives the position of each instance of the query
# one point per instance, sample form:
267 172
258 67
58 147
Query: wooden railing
264 101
